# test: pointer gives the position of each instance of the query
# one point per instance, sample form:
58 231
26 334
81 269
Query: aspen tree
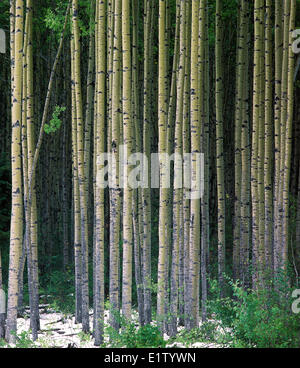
186 149
27 166
255 131
128 142
26 239
195 148
16 230
220 145
245 162
99 202
288 137
258 256
137 202
277 106
162 149
81 173
202 112
261 260
240 72
178 177
183 246
205 143
110 54
268 162
77 230
171 112
89 103
278 246
115 200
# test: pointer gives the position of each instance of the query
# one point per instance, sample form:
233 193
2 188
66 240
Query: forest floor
61 331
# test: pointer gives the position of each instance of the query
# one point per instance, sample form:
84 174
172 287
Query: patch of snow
59 330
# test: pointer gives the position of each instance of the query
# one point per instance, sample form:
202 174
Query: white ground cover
61 331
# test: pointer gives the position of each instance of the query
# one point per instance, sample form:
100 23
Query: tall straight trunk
28 151
240 72
261 150
277 118
115 200
99 199
146 192
268 162
81 170
128 142
205 143
171 107
220 146
257 254
245 162
77 230
186 149
16 228
193 312
89 112
288 138
279 246
110 55
178 177
162 149
31 150
137 202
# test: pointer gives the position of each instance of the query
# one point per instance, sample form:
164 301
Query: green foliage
265 320
24 341
4 14
59 291
84 337
132 336
55 122
222 309
54 18
261 318
205 333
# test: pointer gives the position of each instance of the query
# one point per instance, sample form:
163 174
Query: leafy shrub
261 318
55 122
222 309
207 332
264 319
132 336
59 291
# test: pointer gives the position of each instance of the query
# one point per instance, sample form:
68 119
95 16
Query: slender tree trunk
288 138
163 199
220 146
99 199
146 192
115 200
77 230
128 142
205 143
268 162
16 230
178 177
